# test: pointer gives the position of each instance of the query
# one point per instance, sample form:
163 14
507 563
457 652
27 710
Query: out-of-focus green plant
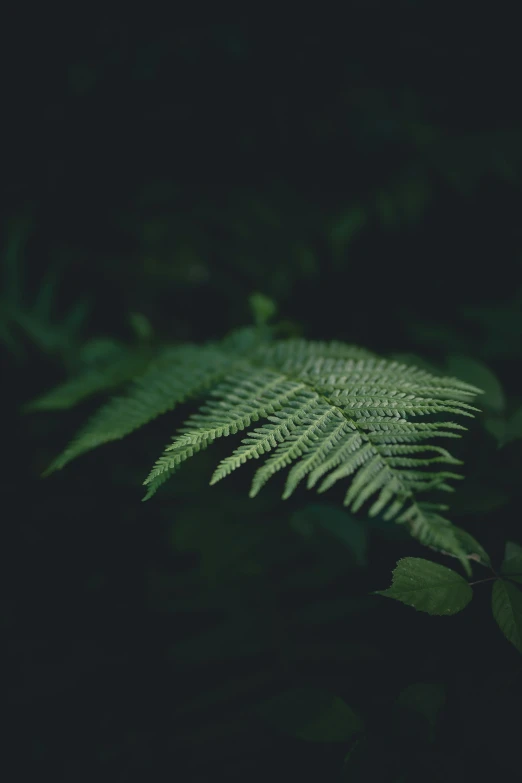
35 322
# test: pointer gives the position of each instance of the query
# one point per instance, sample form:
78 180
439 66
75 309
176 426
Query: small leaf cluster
438 590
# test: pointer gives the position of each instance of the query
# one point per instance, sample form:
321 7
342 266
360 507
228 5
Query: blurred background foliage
366 178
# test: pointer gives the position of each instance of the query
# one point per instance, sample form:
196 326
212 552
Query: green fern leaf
243 398
177 375
327 411
119 367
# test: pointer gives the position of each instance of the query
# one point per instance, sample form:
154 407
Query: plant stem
487 579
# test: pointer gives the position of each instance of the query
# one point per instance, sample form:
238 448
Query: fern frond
120 367
397 432
242 399
300 356
177 375
334 433
354 453
309 434
397 405
328 411
435 531
263 439
343 374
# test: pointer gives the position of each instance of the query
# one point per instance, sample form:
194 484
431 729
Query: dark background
363 172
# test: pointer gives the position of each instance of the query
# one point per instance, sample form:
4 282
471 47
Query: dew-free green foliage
342 525
417 709
104 365
326 412
428 587
506 603
512 568
435 589
311 714
35 321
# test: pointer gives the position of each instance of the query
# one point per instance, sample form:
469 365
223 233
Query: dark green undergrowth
276 277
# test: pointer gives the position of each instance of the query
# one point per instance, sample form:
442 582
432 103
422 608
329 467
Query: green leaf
511 568
512 550
311 714
417 709
514 427
475 550
497 427
225 541
345 227
424 698
428 587
141 326
98 374
262 307
506 604
478 374
475 496
338 523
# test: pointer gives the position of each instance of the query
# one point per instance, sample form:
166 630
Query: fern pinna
326 411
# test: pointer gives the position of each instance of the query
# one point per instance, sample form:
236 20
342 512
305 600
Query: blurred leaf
263 308
75 318
224 546
425 698
476 497
419 706
428 587
311 714
501 326
141 326
35 320
512 568
512 550
49 336
514 427
99 350
506 604
478 374
471 546
108 366
305 259
343 229
303 524
497 427
405 199
338 523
